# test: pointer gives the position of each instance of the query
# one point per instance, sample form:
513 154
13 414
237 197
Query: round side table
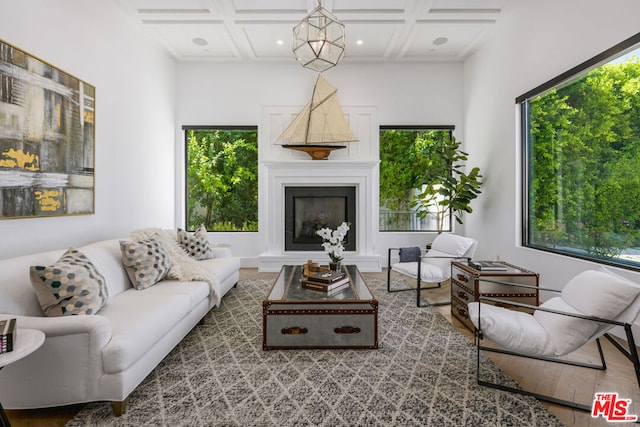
27 341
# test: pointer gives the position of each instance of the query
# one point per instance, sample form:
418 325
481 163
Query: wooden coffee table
295 317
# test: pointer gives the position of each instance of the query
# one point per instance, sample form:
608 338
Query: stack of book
326 281
7 335
488 265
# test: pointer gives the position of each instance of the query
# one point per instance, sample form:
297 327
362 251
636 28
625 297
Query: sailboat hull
317 152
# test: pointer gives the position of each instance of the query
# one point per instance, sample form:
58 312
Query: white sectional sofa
102 356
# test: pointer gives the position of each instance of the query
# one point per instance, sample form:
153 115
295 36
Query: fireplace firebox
308 209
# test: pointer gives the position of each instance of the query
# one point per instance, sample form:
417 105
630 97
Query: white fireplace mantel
354 166
279 175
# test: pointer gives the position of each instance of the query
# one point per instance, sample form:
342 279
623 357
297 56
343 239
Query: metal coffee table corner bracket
295 317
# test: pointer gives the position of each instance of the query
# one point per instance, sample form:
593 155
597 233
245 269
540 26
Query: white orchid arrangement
332 241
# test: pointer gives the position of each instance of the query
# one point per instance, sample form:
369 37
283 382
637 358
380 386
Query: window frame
185 131
451 129
522 101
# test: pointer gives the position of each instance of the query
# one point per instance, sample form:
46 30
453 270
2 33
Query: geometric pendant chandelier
318 40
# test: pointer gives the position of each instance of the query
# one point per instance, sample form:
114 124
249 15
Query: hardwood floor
547 378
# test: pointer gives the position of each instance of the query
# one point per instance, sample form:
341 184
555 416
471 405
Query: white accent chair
587 308
434 266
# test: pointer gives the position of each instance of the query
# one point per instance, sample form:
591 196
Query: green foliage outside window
584 165
409 160
222 179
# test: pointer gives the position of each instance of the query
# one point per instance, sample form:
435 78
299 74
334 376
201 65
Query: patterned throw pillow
72 285
197 244
146 262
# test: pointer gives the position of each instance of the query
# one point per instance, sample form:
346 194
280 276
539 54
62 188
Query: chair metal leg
389 277
4 420
601 367
389 271
632 353
538 396
418 287
542 397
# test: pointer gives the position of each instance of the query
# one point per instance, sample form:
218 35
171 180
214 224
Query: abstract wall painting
47 139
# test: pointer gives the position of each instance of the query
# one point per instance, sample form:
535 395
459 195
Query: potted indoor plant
448 189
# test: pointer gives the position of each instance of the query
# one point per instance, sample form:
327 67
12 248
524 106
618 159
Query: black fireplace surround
308 209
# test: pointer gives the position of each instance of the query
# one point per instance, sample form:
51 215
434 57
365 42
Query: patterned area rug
422 374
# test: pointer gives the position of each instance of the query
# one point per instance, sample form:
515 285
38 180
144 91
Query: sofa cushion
428 272
591 293
511 329
452 244
107 258
146 262
630 313
18 295
221 268
197 244
139 319
445 248
71 286
442 260
600 293
566 333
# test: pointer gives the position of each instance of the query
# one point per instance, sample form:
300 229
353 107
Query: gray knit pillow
146 262
71 286
197 244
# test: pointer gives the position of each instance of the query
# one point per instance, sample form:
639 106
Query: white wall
134 81
234 94
534 42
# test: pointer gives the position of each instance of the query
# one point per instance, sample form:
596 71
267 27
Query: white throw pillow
511 329
566 333
71 286
197 244
600 293
146 262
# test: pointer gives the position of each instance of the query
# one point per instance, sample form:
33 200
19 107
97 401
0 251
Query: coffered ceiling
261 30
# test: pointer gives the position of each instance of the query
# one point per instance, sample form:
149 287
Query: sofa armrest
97 327
66 369
222 252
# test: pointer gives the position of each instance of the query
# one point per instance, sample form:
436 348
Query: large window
222 178
408 159
581 134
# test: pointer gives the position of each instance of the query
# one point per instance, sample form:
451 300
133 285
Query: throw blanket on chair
183 267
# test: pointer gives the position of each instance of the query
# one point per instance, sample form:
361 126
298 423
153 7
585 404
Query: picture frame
47 139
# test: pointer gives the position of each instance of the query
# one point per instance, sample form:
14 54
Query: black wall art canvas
47 139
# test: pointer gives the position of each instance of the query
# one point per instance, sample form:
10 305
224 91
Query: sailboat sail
321 121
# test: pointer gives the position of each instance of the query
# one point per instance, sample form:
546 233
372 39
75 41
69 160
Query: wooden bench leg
120 407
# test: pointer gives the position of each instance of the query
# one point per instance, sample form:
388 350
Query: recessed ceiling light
440 41
359 42
199 41
279 42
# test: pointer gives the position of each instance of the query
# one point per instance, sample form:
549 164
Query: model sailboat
321 125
